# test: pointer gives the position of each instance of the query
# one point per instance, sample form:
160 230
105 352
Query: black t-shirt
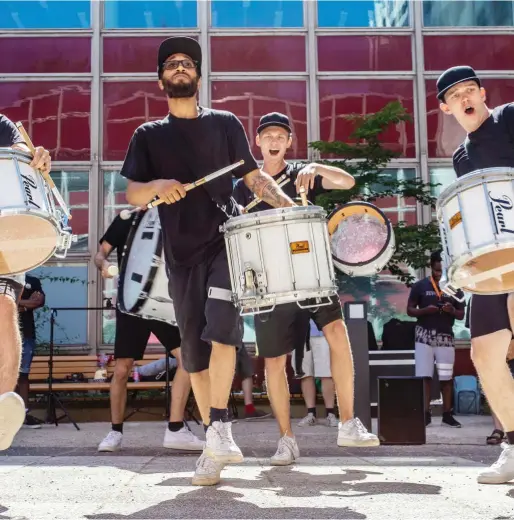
117 234
434 329
187 150
243 196
491 145
9 134
27 324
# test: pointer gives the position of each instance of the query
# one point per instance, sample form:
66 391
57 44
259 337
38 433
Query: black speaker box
401 410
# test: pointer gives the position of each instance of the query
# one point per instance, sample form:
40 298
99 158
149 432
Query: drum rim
6 151
384 247
124 260
231 224
468 180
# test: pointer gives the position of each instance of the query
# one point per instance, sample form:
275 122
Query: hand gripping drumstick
45 175
257 200
125 214
303 195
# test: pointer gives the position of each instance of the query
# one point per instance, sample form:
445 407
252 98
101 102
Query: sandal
495 438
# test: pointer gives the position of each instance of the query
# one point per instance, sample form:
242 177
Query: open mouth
469 110
274 152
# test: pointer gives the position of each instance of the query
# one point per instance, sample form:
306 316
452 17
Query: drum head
26 242
138 266
360 234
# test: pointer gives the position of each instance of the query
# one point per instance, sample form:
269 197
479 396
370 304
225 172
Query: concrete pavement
56 473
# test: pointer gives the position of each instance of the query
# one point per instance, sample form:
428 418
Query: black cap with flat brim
274 119
451 77
179 45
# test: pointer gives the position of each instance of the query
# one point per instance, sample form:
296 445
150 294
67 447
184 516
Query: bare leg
247 386
446 391
201 384
497 423
309 391
488 354
328 391
181 389
341 366
278 393
10 345
221 372
510 308
119 389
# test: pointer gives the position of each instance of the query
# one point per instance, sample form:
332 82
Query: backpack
466 395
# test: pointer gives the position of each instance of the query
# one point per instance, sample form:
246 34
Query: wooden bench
64 366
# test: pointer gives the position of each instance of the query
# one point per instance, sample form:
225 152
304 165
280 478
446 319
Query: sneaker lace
112 436
359 427
506 450
283 447
225 433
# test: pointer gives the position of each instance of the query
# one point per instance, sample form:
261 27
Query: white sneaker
502 471
184 439
12 416
207 471
112 442
287 452
308 420
332 421
220 445
354 433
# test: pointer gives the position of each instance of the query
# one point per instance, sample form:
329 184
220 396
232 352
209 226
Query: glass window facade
363 13
82 90
135 14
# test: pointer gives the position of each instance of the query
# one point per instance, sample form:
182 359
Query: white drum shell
476 217
263 242
143 280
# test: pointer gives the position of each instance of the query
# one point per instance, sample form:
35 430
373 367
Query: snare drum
476 221
361 239
31 228
143 287
280 256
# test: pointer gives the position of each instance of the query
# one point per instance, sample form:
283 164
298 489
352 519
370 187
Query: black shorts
132 334
202 296
488 314
286 328
12 287
244 364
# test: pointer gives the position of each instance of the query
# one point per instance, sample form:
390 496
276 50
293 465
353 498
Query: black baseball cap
274 119
452 77
183 45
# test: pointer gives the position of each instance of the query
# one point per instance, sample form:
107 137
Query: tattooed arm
265 187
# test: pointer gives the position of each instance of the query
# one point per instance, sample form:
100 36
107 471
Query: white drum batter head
138 267
29 232
362 239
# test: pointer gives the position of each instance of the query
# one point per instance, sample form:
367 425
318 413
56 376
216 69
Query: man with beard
12 407
164 156
489 143
286 328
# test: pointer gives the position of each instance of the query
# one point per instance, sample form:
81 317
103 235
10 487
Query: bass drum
361 239
143 287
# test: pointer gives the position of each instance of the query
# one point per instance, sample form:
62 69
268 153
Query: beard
180 90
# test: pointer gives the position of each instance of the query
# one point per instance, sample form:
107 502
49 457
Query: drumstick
303 195
126 213
257 200
45 175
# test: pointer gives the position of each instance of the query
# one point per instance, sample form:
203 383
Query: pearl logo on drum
29 185
501 207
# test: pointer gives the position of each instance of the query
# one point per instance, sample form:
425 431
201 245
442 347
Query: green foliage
366 159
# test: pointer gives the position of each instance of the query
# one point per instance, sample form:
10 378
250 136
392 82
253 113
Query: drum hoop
389 227
272 216
124 260
6 153
472 179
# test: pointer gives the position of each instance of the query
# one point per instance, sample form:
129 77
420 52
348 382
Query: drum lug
65 241
248 281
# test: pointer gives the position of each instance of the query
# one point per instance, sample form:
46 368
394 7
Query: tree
366 159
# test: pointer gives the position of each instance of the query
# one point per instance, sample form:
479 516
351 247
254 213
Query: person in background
32 298
434 340
310 363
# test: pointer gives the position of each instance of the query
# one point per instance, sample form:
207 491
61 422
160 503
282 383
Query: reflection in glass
363 13
467 13
65 285
256 13
53 14
135 14
442 176
74 188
